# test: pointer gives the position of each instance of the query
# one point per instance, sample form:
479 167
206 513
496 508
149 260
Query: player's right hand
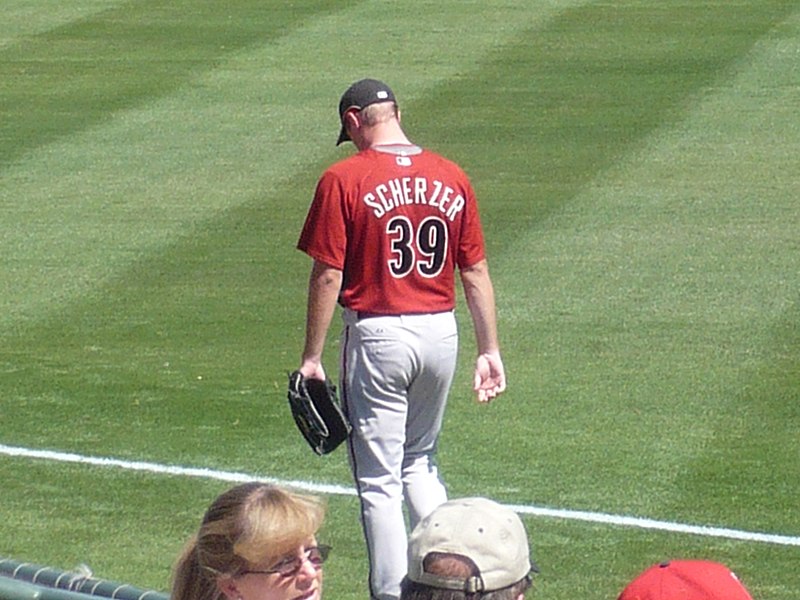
312 370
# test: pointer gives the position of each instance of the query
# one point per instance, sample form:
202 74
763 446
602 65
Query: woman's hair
455 566
249 524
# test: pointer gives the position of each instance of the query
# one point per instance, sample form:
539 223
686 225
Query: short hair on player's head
456 566
378 113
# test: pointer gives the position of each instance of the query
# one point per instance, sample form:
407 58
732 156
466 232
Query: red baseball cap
686 580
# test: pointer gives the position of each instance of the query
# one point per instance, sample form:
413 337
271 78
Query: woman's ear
227 586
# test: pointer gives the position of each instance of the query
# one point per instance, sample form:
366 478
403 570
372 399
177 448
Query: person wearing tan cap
686 580
469 548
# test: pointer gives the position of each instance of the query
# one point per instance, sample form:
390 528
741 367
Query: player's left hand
490 376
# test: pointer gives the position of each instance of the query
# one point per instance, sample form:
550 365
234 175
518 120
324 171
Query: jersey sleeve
323 236
471 248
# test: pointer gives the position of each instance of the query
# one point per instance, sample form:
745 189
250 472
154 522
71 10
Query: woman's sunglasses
289 567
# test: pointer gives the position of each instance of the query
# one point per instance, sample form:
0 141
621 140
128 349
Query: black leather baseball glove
316 410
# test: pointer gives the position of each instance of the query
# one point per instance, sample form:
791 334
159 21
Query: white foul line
229 476
321 488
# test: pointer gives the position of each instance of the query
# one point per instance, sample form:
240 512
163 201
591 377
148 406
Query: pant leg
437 341
377 365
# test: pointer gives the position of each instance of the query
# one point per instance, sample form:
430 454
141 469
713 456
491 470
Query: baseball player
387 230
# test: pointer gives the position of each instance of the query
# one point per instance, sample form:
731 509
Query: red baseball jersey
397 225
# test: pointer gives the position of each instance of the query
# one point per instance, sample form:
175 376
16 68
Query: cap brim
343 137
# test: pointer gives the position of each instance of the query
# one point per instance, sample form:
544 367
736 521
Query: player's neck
385 134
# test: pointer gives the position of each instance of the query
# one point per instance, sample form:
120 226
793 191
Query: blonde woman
256 542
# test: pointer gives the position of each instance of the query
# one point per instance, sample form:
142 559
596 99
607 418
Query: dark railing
26 581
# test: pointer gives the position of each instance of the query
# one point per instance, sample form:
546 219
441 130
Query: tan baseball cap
489 534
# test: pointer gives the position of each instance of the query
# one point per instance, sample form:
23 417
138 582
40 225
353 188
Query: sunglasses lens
287 567
316 556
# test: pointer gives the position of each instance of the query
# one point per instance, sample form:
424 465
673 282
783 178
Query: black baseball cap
360 95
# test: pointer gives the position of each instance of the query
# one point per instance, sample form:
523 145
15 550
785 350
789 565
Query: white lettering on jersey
381 192
369 200
437 187
400 191
420 189
456 207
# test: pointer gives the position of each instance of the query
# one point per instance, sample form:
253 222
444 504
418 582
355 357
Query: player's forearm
323 292
479 294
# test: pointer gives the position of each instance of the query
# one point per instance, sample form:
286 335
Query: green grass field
637 166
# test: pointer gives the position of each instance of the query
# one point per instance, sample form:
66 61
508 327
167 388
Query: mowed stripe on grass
177 224
648 301
177 128
233 478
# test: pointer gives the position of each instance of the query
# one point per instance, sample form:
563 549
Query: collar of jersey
400 149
